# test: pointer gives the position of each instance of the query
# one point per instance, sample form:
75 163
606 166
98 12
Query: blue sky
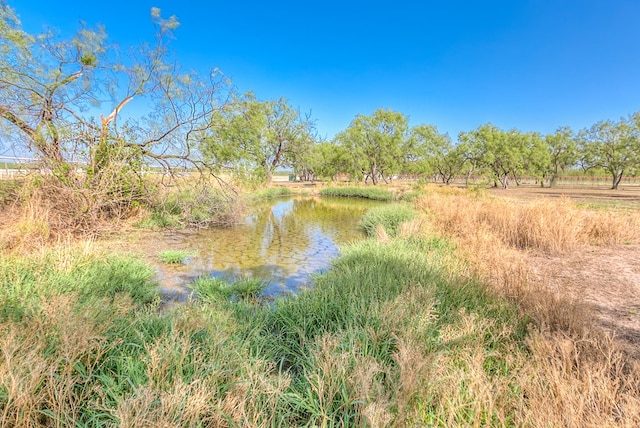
531 65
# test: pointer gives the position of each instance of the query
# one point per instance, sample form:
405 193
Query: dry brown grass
552 226
36 378
574 375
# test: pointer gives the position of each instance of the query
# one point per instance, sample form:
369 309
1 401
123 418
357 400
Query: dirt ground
606 279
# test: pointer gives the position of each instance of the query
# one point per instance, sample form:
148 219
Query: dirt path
625 197
607 279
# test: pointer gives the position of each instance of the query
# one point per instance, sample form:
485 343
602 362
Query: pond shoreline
282 241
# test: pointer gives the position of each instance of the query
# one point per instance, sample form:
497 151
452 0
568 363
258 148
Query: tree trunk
505 181
374 174
617 178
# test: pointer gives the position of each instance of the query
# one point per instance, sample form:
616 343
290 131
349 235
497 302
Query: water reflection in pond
282 242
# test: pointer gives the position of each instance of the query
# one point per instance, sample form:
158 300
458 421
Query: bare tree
81 105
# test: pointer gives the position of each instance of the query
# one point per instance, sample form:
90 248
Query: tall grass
362 345
271 193
83 344
387 217
552 226
376 193
26 281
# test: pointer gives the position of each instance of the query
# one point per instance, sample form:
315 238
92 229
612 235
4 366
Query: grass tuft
375 193
175 257
389 217
272 193
213 289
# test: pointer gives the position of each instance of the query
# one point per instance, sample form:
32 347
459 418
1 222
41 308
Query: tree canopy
258 136
437 153
79 104
377 144
612 146
52 89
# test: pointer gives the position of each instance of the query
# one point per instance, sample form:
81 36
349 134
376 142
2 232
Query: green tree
563 151
612 146
303 158
258 136
329 160
501 154
440 156
537 159
378 144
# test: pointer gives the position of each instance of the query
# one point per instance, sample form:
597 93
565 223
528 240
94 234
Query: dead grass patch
574 374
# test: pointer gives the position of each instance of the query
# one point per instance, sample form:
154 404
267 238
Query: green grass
412 195
208 288
25 282
388 216
198 206
376 299
271 193
175 257
93 350
375 193
160 220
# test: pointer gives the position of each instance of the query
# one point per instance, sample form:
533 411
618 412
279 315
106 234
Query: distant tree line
262 136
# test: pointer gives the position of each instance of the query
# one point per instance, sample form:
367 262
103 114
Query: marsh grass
270 193
208 288
361 346
388 217
375 193
175 257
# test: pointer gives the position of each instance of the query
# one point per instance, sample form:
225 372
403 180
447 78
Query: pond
282 242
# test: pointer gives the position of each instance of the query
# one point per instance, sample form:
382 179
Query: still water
282 243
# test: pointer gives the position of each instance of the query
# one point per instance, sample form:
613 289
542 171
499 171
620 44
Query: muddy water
283 243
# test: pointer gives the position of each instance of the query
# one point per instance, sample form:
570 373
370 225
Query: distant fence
14 167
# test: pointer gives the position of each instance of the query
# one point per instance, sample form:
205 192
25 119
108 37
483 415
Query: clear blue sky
532 65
